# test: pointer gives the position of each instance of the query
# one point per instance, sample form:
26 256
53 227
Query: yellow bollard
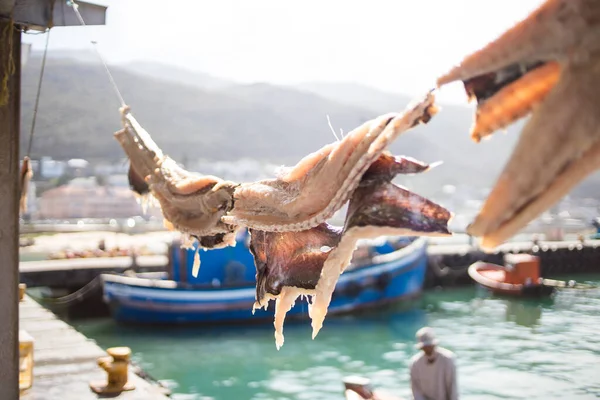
116 365
22 288
25 360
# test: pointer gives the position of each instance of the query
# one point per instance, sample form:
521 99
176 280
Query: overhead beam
6 6
42 14
10 54
92 14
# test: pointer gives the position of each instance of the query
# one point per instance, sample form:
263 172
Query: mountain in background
356 94
175 74
197 116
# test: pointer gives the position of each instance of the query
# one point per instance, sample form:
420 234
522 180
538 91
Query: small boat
519 276
382 272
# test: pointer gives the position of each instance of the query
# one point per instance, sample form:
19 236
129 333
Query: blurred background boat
384 271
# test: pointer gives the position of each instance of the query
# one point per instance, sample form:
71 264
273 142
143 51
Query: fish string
332 130
75 7
37 97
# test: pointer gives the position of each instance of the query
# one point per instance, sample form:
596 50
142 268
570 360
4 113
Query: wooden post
9 215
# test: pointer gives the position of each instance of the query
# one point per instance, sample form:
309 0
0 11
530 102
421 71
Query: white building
84 198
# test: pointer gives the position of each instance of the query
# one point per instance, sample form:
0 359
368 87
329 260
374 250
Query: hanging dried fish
308 263
377 208
137 183
25 177
321 183
296 252
192 204
288 265
547 65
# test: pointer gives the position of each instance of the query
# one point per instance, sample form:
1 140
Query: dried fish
309 263
296 252
547 65
192 204
377 208
321 183
25 177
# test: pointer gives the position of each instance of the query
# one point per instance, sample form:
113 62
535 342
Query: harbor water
505 348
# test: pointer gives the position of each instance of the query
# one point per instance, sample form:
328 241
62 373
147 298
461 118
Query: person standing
432 370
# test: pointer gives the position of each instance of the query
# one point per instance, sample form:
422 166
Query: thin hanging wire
37 97
112 80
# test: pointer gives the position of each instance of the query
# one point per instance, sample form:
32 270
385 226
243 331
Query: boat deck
65 360
495 275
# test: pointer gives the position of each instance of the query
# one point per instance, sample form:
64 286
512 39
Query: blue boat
382 272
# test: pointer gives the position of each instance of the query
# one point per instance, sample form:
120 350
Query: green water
506 349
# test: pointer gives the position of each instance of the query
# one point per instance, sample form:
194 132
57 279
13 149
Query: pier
449 249
65 361
77 272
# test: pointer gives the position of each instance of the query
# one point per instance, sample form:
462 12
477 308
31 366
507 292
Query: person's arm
414 385
452 380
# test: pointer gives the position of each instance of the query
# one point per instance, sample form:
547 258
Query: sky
398 46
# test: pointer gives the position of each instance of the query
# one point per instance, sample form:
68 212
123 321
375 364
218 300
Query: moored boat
519 276
381 273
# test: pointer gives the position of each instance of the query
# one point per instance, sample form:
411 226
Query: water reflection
523 313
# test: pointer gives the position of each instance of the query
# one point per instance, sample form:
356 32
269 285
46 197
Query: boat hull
491 277
395 276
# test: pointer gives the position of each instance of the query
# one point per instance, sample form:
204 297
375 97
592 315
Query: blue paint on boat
224 290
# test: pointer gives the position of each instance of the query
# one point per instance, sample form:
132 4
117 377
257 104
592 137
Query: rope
37 98
10 62
77 296
95 44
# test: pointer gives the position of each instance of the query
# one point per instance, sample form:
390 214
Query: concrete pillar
10 55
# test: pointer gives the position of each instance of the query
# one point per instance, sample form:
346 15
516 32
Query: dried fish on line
377 208
289 265
295 251
322 182
547 65
308 263
192 204
25 175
